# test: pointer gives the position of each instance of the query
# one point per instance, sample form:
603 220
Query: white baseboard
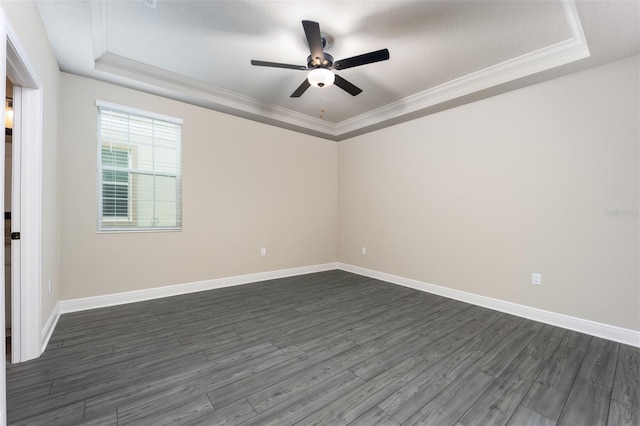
50 325
83 304
605 331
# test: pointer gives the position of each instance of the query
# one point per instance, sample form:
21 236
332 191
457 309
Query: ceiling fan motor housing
327 62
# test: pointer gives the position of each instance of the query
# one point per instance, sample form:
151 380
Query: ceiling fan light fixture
321 77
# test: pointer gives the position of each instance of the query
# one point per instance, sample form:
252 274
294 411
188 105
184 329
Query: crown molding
134 74
98 12
197 92
544 59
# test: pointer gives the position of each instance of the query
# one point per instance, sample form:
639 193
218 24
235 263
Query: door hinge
15 235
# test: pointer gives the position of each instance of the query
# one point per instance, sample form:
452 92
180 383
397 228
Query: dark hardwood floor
331 348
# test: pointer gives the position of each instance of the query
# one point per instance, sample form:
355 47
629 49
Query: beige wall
25 21
543 179
246 186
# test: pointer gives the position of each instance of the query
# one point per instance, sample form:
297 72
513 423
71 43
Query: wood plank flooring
330 348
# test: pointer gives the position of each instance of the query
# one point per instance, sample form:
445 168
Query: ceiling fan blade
314 39
367 58
301 89
278 65
348 87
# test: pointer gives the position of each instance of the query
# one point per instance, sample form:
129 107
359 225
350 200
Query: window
140 181
115 183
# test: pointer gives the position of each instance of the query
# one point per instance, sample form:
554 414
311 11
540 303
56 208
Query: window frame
100 179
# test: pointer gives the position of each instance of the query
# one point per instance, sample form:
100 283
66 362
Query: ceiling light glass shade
321 77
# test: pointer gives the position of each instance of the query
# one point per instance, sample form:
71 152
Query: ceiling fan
321 65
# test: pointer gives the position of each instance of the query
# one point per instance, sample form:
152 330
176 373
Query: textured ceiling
442 53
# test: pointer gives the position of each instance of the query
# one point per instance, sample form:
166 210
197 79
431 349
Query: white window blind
140 180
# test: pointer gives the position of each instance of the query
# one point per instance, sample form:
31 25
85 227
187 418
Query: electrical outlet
50 286
536 279
263 251
364 250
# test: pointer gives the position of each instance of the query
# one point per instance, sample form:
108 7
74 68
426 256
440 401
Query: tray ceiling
442 53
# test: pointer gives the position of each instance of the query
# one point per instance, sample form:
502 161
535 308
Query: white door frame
3 373
27 134
27 130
